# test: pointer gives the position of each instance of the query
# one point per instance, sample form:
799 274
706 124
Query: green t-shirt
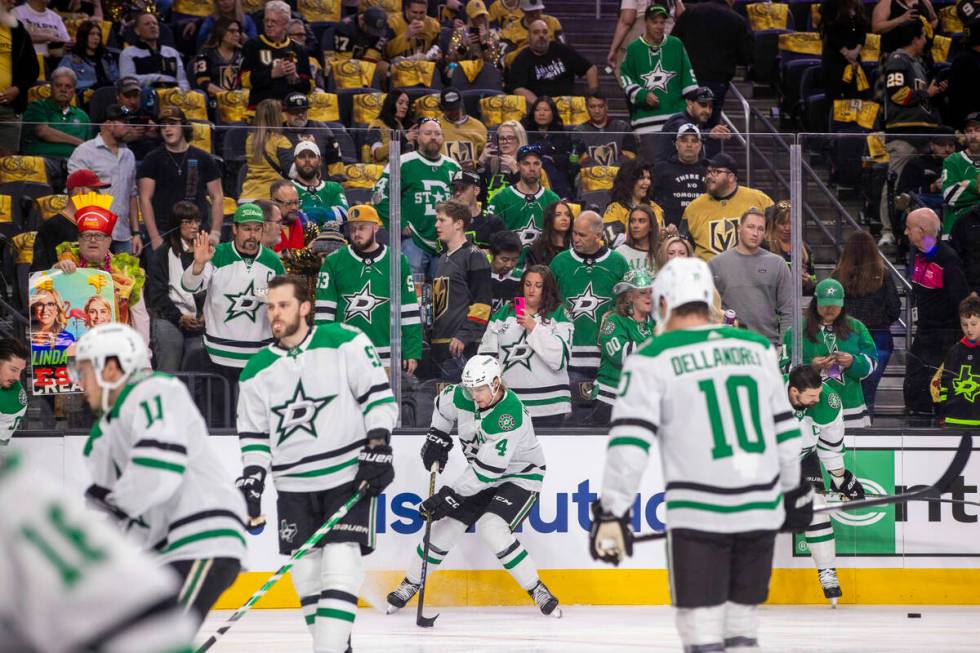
72 121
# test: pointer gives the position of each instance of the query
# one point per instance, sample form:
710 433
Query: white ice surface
790 629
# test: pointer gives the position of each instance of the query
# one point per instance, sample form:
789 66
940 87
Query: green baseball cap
829 292
635 279
248 213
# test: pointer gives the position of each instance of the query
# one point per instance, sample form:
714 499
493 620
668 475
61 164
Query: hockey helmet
105 341
682 281
481 370
635 279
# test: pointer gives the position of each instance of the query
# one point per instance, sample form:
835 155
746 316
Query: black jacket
158 284
55 230
23 64
938 287
877 310
965 239
716 39
960 405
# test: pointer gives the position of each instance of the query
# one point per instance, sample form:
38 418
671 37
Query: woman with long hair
396 115
837 345
48 321
674 246
219 63
498 166
870 296
532 338
555 236
231 9
93 65
624 328
545 128
642 239
632 186
268 152
843 29
779 241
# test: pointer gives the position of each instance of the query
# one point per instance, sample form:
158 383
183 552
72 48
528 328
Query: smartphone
519 307
474 31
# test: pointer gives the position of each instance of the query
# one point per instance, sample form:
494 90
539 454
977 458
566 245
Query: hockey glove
443 503
375 468
610 537
798 504
848 485
251 484
436 449
98 496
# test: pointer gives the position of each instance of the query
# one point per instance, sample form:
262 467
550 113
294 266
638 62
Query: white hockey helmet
105 341
682 281
481 370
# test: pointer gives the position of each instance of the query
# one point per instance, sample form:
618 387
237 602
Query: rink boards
919 554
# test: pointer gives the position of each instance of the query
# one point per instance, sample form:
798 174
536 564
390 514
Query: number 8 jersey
730 445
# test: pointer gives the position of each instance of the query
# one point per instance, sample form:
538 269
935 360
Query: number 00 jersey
730 444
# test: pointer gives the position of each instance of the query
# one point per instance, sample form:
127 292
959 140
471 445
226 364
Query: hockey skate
547 602
830 584
401 595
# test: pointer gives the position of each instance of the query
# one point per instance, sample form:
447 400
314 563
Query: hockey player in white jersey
495 492
729 446
152 467
13 397
819 409
73 583
316 408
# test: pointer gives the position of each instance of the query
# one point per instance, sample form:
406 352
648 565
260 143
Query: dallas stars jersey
730 445
822 428
586 286
306 411
79 585
356 289
664 71
425 183
152 452
959 385
522 213
713 223
535 363
619 336
960 191
499 443
325 202
235 322
13 405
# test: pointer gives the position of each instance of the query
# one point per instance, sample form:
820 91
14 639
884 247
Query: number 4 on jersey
501 447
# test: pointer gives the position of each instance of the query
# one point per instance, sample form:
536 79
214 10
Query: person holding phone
531 336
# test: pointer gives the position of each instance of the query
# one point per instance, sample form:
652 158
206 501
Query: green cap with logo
248 213
829 292
635 279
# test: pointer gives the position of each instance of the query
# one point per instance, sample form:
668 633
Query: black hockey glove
375 468
251 484
98 496
436 449
798 504
610 537
848 485
443 503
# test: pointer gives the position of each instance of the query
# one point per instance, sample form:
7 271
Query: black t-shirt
55 230
552 73
182 176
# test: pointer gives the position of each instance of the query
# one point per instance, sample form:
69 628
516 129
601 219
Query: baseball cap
248 212
532 5
296 101
84 178
306 146
170 112
829 292
116 112
688 128
449 97
375 21
465 178
723 161
701 94
525 151
655 10
127 84
476 8
363 213
972 117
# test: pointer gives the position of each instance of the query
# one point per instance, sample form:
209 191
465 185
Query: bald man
938 287
586 274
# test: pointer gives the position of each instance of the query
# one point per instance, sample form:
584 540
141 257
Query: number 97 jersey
715 399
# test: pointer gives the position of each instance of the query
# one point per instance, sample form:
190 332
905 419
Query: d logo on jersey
518 353
722 234
362 303
245 303
529 232
585 304
299 413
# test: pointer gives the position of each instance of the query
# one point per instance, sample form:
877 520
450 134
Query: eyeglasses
92 237
46 306
298 35
717 171
704 105
287 202
506 139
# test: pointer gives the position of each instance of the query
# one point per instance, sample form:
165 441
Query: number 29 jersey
730 444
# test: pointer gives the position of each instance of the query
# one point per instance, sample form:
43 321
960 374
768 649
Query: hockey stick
420 620
302 551
929 493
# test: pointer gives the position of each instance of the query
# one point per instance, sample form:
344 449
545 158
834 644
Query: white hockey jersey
235 321
13 405
822 428
73 583
729 441
535 364
152 451
305 412
499 443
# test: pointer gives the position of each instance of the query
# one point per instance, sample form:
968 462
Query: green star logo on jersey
585 304
244 303
967 384
362 303
299 413
658 78
528 232
518 353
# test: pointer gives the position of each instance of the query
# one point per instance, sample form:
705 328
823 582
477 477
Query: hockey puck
914 615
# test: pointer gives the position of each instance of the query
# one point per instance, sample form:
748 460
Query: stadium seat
43 92
232 107
193 103
596 198
359 195
814 110
472 97
72 24
790 76
17 206
407 73
572 110
23 169
362 175
233 143
348 149
763 70
359 106
202 136
425 106
594 178
351 73
855 118
499 108
324 106
101 99
949 22
319 11
486 76
769 16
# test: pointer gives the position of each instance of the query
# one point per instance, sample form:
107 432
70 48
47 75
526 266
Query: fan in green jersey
961 176
522 204
13 398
